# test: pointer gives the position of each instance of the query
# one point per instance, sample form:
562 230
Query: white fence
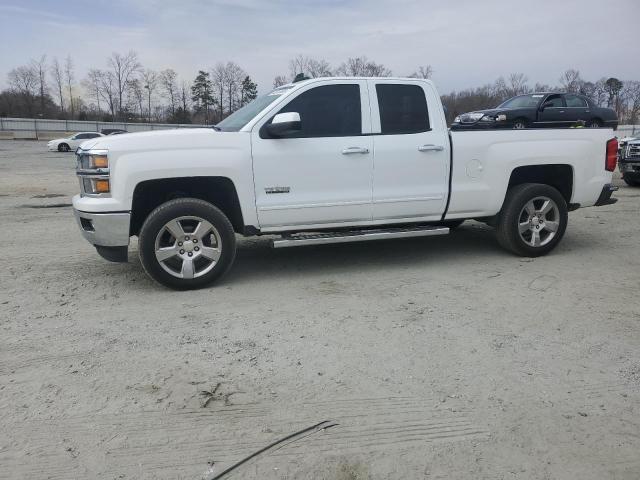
35 128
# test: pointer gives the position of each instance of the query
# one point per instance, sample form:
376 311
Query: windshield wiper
216 128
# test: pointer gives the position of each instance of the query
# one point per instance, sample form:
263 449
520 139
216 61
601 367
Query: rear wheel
63 147
186 243
594 123
533 219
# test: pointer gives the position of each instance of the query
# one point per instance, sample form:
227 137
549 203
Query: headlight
93 172
457 119
487 118
474 117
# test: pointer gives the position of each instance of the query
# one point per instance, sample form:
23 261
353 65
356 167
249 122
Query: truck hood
182 138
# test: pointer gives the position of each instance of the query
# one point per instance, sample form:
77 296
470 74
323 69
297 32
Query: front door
320 175
554 113
412 152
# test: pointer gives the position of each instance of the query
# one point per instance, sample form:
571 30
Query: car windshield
239 118
522 101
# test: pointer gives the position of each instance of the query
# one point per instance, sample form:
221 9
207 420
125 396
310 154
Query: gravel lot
438 358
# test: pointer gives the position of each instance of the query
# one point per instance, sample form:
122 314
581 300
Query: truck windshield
239 118
522 101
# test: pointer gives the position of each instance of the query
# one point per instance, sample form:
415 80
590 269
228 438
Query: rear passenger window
403 109
575 101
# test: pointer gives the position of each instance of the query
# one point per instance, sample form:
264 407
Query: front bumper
605 196
629 167
108 232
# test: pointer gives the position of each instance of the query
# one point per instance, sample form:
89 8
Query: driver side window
554 101
328 111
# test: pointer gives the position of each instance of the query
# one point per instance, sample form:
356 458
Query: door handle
431 148
561 111
350 150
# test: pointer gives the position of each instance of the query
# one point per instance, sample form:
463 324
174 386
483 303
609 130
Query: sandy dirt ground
441 358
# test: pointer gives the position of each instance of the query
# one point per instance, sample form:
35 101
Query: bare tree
279 81
631 95
362 67
311 67
218 79
571 81
149 81
123 68
92 84
108 91
40 69
69 75
58 81
424 71
24 80
184 97
233 84
170 88
517 84
135 95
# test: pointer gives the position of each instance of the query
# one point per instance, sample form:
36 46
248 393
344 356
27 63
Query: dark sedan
539 110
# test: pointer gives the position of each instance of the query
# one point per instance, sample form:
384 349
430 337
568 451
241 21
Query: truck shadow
256 260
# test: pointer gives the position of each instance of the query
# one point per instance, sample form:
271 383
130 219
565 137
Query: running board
301 239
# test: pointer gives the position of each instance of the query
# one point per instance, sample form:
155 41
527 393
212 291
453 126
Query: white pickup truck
331 160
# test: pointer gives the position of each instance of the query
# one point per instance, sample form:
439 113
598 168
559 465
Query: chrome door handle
431 148
350 150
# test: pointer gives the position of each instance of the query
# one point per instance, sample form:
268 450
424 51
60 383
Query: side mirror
284 125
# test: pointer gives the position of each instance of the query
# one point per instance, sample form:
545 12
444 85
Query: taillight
612 155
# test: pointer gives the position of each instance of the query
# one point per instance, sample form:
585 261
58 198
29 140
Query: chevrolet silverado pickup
331 160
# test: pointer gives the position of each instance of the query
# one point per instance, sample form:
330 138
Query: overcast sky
468 42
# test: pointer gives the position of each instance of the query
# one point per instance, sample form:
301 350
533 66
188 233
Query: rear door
411 151
577 108
322 174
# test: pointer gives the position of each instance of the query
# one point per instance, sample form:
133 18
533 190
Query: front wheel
519 124
63 147
595 123
533 219
186 243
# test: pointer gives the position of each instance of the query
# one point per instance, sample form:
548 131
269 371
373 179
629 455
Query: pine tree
249 91
202 93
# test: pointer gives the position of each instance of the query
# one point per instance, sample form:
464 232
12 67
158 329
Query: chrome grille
633 151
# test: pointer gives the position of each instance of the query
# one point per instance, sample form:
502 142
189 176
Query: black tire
63 147
520 124
452 224
594 123
631 181
156 222
511 217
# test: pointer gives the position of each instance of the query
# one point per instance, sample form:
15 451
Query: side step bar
300 239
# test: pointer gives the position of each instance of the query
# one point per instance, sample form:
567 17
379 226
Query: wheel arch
219 191
559 176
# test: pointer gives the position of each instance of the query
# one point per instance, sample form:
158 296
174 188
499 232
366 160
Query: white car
72 142
332 160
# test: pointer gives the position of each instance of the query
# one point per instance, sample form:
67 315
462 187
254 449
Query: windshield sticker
537 96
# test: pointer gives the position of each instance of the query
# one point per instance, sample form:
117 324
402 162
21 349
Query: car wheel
63 147
519 124
186 243
595 123
631 181
533 219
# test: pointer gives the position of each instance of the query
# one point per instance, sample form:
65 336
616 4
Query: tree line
124 90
